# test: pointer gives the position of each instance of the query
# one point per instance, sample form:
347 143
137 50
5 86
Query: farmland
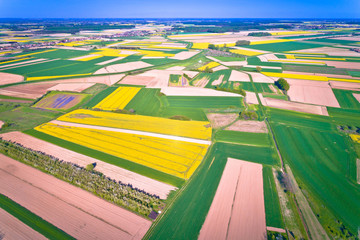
180 129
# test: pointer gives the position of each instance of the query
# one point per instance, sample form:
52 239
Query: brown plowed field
75 211
7 78
238 210
147 184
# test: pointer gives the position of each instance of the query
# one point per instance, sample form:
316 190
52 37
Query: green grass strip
123 163
32 220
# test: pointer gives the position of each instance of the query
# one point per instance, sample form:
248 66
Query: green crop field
132 166
230 59
271 198
284 46
205 102
184 218
246 138
33 221
99 97
346 98
314 69
322 160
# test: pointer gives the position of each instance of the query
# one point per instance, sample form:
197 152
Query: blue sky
180 8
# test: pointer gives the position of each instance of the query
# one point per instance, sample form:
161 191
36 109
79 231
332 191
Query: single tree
282 84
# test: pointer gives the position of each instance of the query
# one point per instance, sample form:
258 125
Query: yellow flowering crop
355 138
16 60
90 57
118 99
270 41
245 52
209 66
200 45
59 76
295 76
173 157
190 129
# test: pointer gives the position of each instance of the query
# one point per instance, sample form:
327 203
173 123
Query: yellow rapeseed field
321 58
245 52
59 76
110 52
200 45
355 138
118 99
173 157
295 76
190 129
16 60
209 66
270 41
90 57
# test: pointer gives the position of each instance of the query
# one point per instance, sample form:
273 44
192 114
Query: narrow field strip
75 211
173 157
118 99
238 210
189 129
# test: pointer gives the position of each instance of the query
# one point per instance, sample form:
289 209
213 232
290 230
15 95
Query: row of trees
124 195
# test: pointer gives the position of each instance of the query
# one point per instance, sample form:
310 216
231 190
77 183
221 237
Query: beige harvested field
267 57
218 81
251 98
272 88
237 210
184 55
274 229
75 211
248 126
138 80
340 64
1 124
313 92
218 68
123 67
331 51
108 80
357 96
31 90
119 174
345 85
201 82
73 87
218 120
176 68
294 106
5 66
194 91
234 63
353 38
262 67
7 78
83 57
260 78
322 74
13 228
254 50
239 76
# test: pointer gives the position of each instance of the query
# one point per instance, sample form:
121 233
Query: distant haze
180 9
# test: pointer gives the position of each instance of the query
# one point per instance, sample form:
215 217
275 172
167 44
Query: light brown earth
345 85
138 80
234 63
219 120
82 57
260 78
110 61
119 174
239 76
294 106
15 100
73 87
267 57
1 124
123 67
354 38
343 64
248 126
7 78
251 98
13 228
357 96
237 210
322 74
31 90
108 80
75 211
313 92
218 68
274 229
184 55
201 82
218 81
331 51
194 91
176 68
11 65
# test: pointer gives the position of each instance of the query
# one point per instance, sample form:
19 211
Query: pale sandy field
13 228
108 80
343 64
119 174
82 57
31 90
110 61
237 210
75 211
251 98
176 68
313 92
184 55
294 106
218 81
7 78
357 96
5 66
345 85
331 51
218 120
260 78
248 126
239 76
218 68
73 87
194 91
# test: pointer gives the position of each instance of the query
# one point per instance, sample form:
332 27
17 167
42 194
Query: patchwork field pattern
118 99
189 129
174 157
